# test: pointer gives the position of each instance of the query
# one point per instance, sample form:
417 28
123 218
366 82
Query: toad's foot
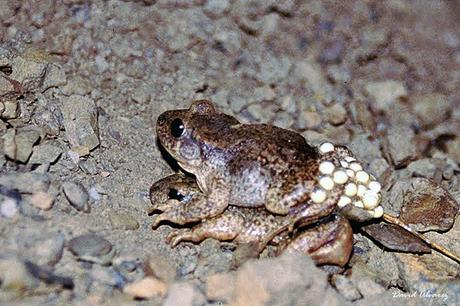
329 243
224 227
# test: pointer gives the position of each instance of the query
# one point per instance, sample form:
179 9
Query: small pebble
8 208
358 204
146 288
42 200
89 245
77 196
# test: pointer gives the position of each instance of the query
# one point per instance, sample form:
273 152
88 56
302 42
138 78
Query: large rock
80 121
18 143
401 145
292 279
385 93
431 109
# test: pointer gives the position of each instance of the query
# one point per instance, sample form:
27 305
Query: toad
328 241
261 177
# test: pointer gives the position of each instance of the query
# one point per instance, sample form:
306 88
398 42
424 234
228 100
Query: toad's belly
250 187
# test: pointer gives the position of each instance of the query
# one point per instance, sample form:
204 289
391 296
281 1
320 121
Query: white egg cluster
360 188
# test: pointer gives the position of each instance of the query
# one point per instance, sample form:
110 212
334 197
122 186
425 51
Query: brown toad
263 170
329 241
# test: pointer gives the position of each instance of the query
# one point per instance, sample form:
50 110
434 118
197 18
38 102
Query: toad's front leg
197 208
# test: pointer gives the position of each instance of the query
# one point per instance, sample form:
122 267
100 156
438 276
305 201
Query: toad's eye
174 194
177 128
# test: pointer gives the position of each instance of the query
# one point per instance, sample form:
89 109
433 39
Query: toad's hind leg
328 243
224 227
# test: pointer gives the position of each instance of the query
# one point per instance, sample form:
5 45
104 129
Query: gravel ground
81 85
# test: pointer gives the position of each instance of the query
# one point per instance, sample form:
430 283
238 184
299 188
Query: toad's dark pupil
177 128
174 194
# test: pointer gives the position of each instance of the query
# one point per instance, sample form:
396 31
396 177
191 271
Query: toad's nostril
161 119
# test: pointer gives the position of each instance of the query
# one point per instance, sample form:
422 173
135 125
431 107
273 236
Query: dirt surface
81 85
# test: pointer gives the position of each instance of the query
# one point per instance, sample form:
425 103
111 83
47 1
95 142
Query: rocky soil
82 82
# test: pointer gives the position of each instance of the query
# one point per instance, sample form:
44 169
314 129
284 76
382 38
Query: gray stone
401 145
431 109
45 154
332 52
264 93
123 220
393 199
385 93
7 89
77 196
345 287
27 183
18 143
212 259
291 279
366 281
8 207
88 166
55 77
230 40
270 24
184 293
15 276
80 121
312 73
89 245
453 148
10 109
216 7
261 113
283 120
29 70
44 249
42 200
220 287
161 267
273 69
378 167
423 167
308 120
106 276
336 114
236 102
364 149
77 85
